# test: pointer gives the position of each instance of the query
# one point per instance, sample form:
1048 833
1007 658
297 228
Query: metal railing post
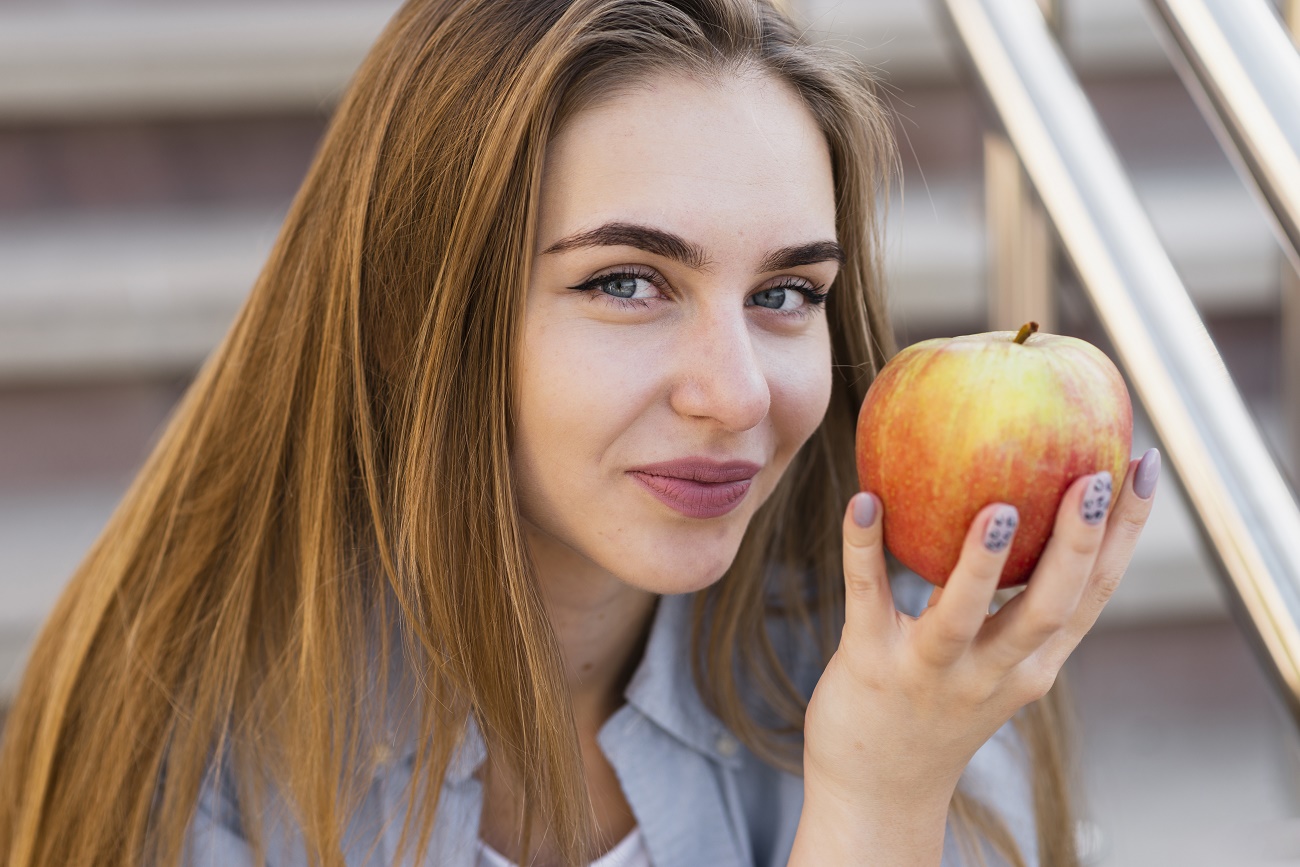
1021 249
1239 68
1291 322
1241 503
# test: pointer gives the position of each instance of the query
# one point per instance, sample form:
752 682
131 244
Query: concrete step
61 60
78 62
150 293
123 294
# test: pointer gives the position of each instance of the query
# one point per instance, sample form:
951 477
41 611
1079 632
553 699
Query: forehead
715 160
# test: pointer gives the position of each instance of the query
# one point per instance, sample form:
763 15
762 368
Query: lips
697 487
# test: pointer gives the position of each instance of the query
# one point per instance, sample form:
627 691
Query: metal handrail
1240 66
1241 503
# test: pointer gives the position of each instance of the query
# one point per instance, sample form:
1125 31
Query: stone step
63 61
145 294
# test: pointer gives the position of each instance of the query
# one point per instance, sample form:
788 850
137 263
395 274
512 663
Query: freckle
586 666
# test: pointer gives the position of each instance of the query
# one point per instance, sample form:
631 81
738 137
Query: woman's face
685 232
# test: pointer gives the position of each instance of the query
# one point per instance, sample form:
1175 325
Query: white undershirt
630 852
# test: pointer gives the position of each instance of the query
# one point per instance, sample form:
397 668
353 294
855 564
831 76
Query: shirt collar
663 686
662 689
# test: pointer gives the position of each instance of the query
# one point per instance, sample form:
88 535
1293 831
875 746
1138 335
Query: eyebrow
671 246
803 254
647 238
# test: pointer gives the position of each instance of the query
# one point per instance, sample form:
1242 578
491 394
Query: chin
671 585
691 571
683 557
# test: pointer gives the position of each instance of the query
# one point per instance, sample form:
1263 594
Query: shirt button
727 745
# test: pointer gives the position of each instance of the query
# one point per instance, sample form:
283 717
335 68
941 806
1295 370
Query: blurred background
150 148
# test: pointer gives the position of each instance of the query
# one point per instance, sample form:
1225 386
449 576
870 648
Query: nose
719 374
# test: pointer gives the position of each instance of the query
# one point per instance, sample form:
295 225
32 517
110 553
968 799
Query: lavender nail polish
1096 499
864 510
1148 470
1001 528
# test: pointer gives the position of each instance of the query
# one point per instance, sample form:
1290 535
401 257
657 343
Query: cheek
578 391
800 384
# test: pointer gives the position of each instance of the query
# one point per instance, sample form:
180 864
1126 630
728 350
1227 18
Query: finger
1123 529
952 623
1025 623
868 600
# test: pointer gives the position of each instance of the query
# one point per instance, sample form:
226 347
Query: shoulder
216 834
227 831
222 829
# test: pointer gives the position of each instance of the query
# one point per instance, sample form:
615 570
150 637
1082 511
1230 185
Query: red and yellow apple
953 424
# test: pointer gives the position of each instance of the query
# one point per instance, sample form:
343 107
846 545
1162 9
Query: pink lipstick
697 487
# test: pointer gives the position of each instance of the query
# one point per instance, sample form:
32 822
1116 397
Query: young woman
516 518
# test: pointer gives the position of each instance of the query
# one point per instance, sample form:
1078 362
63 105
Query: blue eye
619 286
774 298
641 287
777 295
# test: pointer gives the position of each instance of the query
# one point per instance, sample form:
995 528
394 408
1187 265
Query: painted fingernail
1096 499
1148 471
864 510
1002 526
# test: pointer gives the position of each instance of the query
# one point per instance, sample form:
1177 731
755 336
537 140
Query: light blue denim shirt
700 797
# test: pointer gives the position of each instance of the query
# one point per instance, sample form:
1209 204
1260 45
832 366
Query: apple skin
952 424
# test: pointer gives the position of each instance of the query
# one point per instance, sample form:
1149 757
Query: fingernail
1002 526
1096 499
1144 480
864 510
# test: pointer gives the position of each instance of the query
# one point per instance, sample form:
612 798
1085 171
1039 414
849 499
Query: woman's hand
906 701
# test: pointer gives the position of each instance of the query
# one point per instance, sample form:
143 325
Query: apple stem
1025 330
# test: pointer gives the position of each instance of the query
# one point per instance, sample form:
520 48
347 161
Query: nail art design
1002 526
1096 500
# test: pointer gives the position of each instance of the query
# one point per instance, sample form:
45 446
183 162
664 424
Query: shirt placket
676 793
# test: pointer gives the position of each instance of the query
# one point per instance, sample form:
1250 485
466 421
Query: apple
953 424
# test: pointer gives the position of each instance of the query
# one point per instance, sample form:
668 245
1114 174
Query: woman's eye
622 286
794 300
775 298
638 289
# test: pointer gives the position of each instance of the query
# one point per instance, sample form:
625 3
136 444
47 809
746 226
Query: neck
601 623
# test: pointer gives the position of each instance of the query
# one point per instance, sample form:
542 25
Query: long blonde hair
342 460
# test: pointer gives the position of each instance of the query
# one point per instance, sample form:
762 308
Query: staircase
149 151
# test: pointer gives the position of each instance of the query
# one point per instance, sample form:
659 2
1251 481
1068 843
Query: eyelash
814 294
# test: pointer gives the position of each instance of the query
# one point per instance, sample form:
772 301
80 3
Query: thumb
868 601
